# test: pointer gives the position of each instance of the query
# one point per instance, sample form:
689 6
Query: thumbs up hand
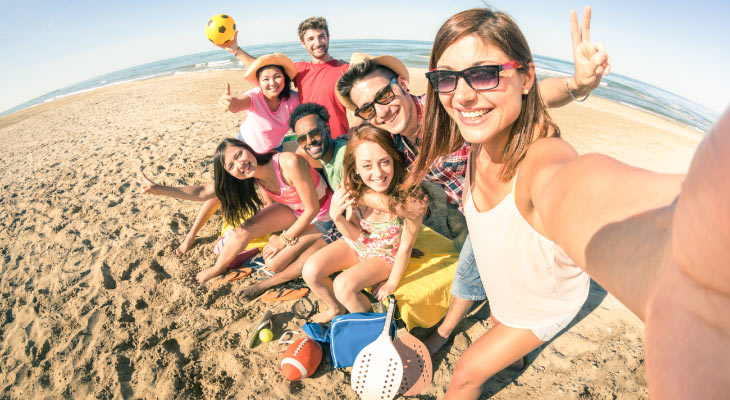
225 99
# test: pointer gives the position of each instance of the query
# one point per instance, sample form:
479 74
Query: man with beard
315 79
309 122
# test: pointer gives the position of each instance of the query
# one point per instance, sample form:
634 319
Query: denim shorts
323 226
331 235
467 283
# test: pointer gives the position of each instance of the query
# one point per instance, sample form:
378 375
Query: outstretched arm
234 104
233 48
591 63
688 318
194 193
661 251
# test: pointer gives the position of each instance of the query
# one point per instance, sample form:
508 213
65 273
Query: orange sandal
285 293
231 276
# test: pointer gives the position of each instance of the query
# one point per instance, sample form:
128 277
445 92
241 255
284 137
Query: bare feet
326 315
435 342
250 292
186 244
205 275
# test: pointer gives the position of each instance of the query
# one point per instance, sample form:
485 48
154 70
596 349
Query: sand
96 304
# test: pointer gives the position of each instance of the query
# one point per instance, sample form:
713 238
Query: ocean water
614 87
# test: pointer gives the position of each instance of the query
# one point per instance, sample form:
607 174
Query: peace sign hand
591 59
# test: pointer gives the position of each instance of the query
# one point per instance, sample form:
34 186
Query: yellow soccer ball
220 29
265 335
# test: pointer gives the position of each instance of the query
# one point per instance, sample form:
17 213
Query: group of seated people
477 159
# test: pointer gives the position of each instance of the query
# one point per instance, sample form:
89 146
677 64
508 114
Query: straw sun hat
271 59
387 61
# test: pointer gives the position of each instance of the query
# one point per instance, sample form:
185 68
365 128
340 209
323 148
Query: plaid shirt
448 171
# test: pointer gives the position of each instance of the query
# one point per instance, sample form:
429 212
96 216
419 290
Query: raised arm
233 48
343 202
194 193
591 63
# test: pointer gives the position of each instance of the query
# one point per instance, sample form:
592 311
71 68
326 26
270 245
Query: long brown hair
396 193
238 197
441 135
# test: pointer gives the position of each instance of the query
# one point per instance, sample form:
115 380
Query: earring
525 91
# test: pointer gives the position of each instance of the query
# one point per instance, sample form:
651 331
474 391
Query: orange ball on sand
301 359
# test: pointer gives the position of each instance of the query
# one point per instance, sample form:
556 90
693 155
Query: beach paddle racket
378 370
417 366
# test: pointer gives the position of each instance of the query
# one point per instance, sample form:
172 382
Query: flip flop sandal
256 262
284 341
285 293
262 322
231 276
304 308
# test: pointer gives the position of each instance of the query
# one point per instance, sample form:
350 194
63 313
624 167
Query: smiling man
315 79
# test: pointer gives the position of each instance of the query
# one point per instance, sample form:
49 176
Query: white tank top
530 281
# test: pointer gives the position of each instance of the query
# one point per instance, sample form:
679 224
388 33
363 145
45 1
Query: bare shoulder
551 148
289 160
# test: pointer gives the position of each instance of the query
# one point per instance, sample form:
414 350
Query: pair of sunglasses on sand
481 77
383 97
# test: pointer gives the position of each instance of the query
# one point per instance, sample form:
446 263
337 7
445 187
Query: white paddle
378 370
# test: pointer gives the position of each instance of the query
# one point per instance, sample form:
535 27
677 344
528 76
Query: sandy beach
95 303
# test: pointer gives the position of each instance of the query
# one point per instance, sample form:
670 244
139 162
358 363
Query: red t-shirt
316 84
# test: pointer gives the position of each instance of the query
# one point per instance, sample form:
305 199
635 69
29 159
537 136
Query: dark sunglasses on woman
481 77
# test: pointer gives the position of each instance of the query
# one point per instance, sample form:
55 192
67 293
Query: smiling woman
269 106
300 209
541 218
376 245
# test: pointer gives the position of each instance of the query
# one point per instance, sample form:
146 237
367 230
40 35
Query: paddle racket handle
388 316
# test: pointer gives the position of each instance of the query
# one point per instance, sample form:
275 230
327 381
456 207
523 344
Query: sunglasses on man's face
481 77
315 134
384 97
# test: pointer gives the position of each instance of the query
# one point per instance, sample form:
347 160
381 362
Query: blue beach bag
348 334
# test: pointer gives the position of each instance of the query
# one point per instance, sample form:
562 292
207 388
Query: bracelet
571 93
287 240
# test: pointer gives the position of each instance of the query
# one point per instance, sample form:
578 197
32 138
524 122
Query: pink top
316 84
288 194
529 280
264 129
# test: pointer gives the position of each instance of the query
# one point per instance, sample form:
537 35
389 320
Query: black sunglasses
314 133
481 77
383 97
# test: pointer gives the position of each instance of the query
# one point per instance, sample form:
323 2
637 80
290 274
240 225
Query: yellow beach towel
258 242
425 289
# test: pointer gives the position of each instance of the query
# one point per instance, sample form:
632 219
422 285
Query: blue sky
47 45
